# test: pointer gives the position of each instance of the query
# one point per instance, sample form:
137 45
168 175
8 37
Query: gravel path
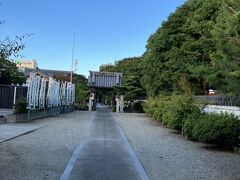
44 153
166 155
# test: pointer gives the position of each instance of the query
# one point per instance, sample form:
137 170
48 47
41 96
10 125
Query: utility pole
74 36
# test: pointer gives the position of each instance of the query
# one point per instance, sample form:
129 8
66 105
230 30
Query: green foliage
105 96
225 74
182 46
196 48
129 66
20 106
191 121
131 86
221 129
10 48
198 44
9 73
81 95
176 111
170 110
155 106
183 114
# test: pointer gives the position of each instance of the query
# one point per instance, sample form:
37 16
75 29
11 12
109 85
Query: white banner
44 92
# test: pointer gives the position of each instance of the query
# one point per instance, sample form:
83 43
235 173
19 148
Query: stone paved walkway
106 153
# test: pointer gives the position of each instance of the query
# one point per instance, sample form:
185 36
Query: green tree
226 61
80 82
132 73
8 71
132 88
181 48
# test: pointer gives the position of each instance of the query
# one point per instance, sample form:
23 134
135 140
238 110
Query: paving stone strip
105 154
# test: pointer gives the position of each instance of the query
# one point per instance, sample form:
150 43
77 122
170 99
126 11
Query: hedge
183 114
220 129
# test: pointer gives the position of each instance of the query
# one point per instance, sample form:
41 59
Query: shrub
157 115
173 116
20 106
181 113
170 110
149 106
221 129
191 120
176 111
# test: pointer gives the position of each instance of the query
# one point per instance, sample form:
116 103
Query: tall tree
226 61
181 49
131 85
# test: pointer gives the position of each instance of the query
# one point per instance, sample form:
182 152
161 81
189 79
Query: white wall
218 109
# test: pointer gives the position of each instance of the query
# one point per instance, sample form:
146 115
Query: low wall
38 114
218 109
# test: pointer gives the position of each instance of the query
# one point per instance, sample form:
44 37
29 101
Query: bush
169 110
149 106
181 113
157 115
176 111
191 120
155 107
220 129
20 106
173 116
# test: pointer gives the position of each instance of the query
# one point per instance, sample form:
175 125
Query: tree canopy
8 71
225 75
196 48
181 49
132 73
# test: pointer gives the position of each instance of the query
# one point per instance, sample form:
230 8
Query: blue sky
106 30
